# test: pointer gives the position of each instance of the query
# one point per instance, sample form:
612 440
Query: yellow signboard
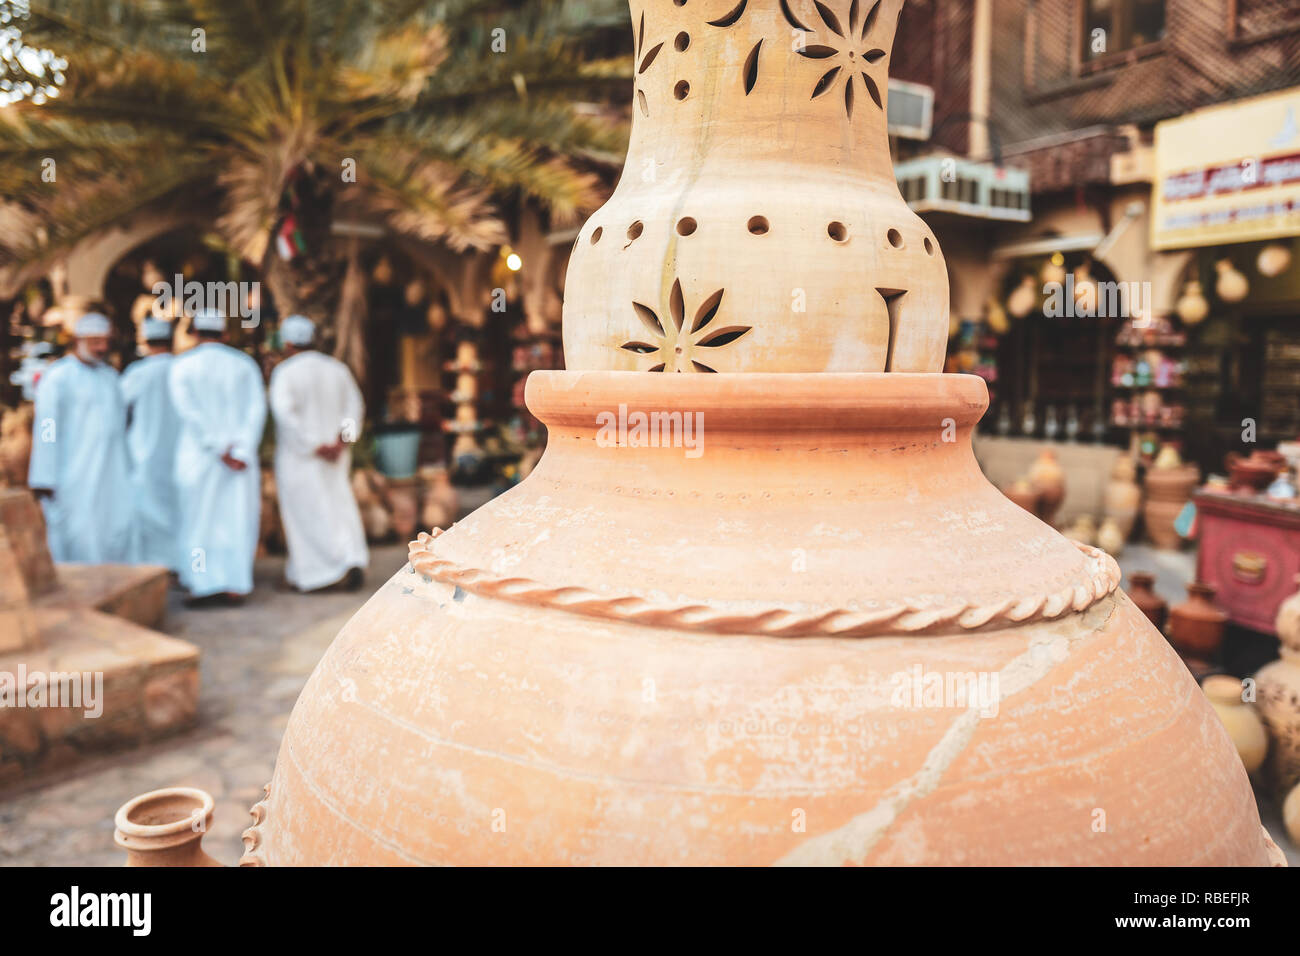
1228 174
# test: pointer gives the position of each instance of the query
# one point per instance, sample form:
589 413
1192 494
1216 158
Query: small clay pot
1123 496
1254 473
1239 718
1022 494
1141 591
1048 480
165 828
1196 626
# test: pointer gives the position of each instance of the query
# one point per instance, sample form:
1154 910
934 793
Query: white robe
217 392
79 452
313 399
152 433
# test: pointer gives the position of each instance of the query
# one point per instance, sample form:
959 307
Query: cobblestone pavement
255 660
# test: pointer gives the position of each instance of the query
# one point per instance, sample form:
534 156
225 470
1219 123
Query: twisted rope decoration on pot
252 837
774 620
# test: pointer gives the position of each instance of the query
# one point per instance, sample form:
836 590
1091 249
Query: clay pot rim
765 401
1222 689
122 819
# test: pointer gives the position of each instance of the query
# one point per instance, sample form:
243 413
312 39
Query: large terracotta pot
1142 592
1278 686
634 635
1196 625
720 645
1239 718
1167 491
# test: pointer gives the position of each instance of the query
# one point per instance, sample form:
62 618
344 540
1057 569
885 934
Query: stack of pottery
1048 481
1256 473
1142 592
1278 687
1169 486
1239 718
609 662
1196 626
1123 495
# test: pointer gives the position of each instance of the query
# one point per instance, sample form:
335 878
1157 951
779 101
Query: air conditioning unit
911 110
965 188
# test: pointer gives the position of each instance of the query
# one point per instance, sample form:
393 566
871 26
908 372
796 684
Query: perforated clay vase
720 646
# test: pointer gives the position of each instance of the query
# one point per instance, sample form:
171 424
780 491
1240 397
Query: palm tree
275 118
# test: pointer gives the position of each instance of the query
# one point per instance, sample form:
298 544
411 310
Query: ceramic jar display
1239 718
1278 687
1169 487
1141 591
165 828
707 645
1196 625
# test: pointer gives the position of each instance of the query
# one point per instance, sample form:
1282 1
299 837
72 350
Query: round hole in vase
682 41
895 238
682 89
758 225
837 231
929 246
634 231
686 226
596 234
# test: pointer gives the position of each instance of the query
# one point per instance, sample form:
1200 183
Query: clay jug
1123 495
1142 592
165 828
1278 686
1196 626
1109 538
1048 480
619 639
1239 718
